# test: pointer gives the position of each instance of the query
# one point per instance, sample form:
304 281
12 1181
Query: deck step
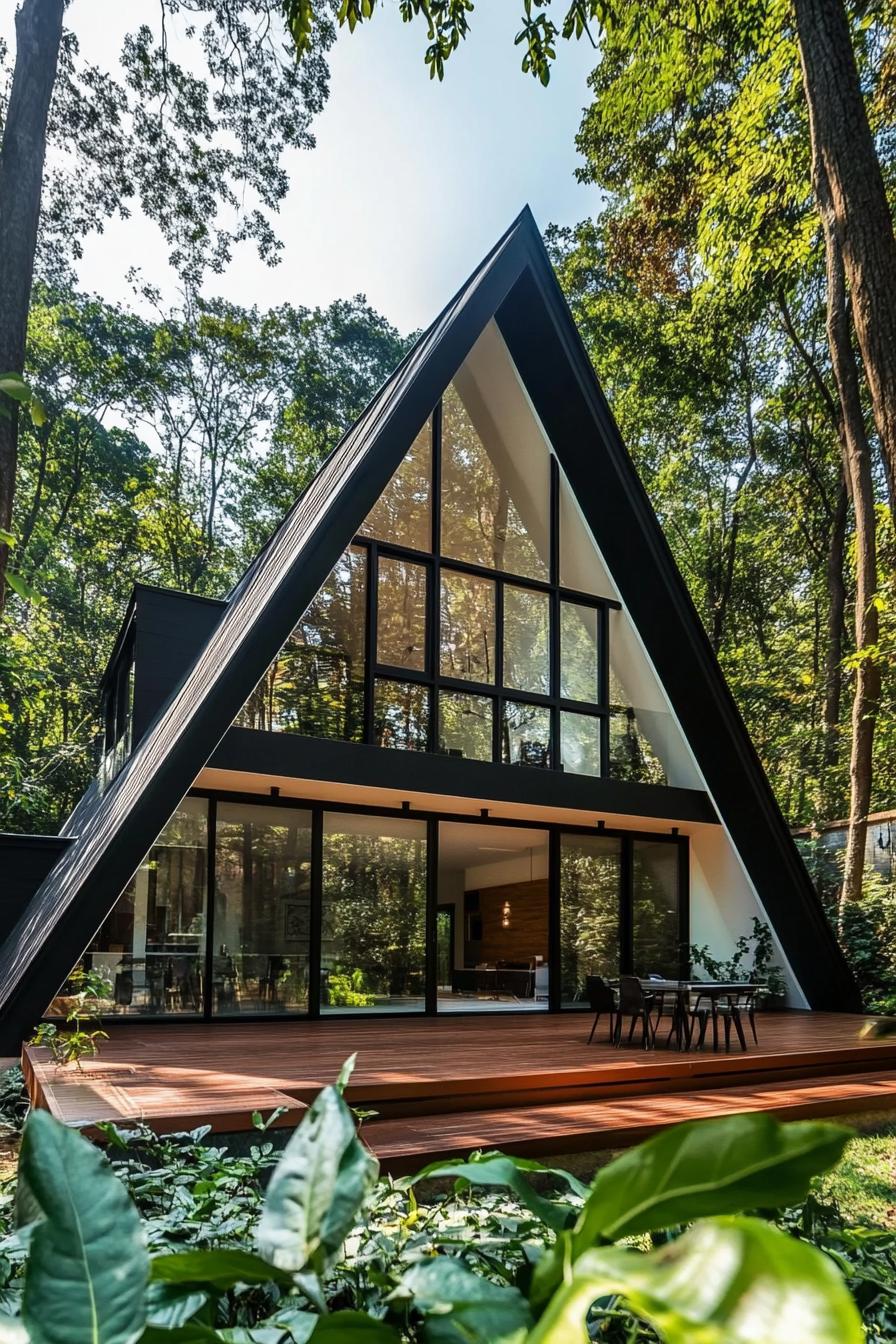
405 1145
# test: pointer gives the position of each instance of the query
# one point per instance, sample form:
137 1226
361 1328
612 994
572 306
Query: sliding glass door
373 914
623 909
262 910
656 914
269 908
590 910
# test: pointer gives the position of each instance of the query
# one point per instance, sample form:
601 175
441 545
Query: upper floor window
450 624
118 712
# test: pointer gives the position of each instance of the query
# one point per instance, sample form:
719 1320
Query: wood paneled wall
527 936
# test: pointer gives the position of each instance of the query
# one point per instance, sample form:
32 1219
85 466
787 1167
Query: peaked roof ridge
524 219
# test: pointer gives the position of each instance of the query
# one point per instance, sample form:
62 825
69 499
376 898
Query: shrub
506 1250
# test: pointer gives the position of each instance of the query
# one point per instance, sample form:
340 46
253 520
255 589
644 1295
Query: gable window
446 626
118 712
315 685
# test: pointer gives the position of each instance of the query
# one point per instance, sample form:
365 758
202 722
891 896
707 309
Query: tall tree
852 201
22 152
196 137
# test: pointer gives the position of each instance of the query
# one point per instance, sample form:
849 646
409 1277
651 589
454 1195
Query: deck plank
403 1146
180 1075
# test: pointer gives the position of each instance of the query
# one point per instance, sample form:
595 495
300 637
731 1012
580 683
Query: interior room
492 918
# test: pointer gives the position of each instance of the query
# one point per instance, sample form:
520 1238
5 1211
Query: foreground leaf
353 1327
317 1188
498 1169
88 1267
462 1306
705 1167
12 1331
725 1281
220 1269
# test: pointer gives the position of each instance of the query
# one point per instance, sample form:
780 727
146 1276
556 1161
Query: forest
163 444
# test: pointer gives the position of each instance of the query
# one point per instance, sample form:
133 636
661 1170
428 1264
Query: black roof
516 286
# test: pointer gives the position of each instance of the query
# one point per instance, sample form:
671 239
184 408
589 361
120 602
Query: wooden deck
444 1086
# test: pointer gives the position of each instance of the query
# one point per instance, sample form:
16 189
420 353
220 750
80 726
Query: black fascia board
123 824
546 347
292 756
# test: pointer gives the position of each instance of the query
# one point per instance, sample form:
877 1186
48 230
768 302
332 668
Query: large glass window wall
459 620
245 908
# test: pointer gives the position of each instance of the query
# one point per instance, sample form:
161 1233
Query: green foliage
337 1258
320 1183
91 991
87 1263
725 1281
13 1099
191 132
761 968
347 990
172 446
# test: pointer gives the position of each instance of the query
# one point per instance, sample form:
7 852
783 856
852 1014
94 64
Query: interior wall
451 892
527 935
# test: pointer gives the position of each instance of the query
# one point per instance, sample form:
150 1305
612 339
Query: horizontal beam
293 756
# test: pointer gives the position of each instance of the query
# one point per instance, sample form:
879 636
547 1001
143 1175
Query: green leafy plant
347 990
70 1047
506 1250
753 957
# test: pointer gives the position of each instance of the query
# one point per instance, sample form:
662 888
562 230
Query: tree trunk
844 147
857 468
833 653
38 33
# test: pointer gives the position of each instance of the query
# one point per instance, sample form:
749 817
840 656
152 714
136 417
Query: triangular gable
516 286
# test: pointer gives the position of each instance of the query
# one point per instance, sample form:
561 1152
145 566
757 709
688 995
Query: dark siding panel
172 629
25 860
378 767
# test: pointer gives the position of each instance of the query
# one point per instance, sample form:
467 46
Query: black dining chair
733 1010
635 1004
602 998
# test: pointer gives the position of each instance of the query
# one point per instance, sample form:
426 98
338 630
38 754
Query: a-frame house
455 741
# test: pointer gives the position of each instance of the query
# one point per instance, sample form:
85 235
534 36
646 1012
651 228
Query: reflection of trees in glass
480 520
374 902
465 725
655 909
262 909
402 513
401 715
151 945
631 755
589 911
315 685
401 613
526 734
468 627
578 652
526 640
580 743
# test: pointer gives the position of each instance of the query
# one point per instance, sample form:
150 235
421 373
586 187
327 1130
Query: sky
411 181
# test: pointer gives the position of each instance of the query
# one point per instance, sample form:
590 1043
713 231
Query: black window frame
436 564
317 808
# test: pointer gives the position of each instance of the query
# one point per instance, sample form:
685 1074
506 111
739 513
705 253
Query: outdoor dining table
713 990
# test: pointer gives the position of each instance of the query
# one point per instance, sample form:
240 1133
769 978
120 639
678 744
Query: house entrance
495 881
